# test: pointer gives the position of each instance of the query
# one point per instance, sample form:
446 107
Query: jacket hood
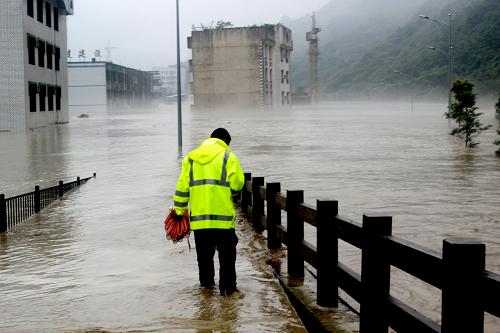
208 150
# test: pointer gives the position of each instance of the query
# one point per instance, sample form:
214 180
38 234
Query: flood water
98 260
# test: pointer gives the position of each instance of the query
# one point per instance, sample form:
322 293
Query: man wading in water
211 174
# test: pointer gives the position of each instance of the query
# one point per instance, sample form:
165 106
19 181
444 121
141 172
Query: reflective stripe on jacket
210 175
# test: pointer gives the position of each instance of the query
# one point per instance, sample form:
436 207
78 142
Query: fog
143 33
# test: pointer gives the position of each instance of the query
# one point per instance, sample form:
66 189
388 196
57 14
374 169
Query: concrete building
33 78
100 86
241 67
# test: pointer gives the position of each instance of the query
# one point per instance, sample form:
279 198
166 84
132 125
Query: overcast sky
143 32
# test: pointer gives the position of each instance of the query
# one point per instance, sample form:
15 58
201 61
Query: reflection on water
97 259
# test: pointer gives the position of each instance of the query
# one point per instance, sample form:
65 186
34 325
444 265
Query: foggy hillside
364 42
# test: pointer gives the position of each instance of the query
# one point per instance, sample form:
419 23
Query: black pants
224 240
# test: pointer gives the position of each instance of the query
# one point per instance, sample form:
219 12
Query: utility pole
179 100
312 38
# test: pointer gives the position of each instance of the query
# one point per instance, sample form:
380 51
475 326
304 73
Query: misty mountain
364 42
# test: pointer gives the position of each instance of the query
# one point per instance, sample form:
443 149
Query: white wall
87 88
12 101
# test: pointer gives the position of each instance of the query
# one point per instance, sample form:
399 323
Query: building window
48 14
31 50
50 52
286 56
282 98
286 77
282 76
42 93
57 58
31 9
39 10
281 54
41 53
32 89
58 98
56 19
50 95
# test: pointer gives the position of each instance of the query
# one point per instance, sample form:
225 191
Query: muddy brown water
97 259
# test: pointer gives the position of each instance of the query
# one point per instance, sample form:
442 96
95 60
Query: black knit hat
223 134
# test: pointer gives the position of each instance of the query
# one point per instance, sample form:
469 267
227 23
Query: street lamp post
411 95
450 48
179 104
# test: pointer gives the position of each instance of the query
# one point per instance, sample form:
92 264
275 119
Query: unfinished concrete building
245 67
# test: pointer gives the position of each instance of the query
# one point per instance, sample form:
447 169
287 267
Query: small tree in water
497 109
464 111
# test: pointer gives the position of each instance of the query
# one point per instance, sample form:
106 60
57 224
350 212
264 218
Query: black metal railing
468 290
16 209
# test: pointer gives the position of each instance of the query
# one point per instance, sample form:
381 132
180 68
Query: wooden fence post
463 263
78 181
273 215
3 213
257 203
37 199
245 195
375 275
61 188
295 232
327 253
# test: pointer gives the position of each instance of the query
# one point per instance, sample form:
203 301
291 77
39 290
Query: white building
241 67
100 86
33 71
168 78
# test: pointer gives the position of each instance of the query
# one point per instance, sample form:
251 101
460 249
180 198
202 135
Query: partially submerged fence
468 290
16 209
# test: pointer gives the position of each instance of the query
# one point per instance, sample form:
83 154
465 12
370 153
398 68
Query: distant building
157 84
168 78
241 67
100 85
33 79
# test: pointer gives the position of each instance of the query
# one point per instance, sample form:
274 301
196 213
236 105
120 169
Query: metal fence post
295 232
273 215
375 275
37 199
3 213
245 195
78 181
257 203
61 188
463 263
327 253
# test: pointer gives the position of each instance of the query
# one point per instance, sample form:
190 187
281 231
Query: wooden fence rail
16 209
468 290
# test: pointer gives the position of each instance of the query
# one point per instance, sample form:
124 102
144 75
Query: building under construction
244 67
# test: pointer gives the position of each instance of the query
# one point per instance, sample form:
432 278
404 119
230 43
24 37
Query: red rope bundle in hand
176 226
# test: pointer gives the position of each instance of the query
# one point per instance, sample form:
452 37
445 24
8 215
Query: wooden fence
468 290
16 209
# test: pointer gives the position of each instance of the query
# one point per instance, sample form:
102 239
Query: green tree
497 106
497 109
464 111
497 142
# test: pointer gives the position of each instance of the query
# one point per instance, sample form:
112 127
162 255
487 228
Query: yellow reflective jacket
211 174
